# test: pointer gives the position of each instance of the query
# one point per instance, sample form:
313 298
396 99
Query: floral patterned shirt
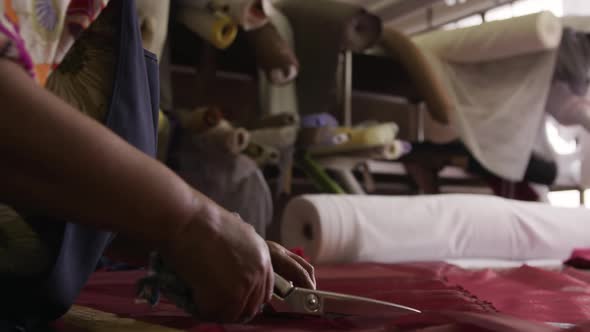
39 33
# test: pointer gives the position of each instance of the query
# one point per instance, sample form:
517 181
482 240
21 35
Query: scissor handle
282 286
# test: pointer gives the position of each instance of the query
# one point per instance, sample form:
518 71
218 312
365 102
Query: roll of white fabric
391 229
495 40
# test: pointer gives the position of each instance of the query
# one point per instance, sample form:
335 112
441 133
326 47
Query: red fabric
453 299
580 259
531 293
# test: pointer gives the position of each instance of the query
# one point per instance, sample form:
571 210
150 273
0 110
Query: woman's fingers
305 264
289 268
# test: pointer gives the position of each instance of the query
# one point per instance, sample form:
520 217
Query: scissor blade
320 303
335 304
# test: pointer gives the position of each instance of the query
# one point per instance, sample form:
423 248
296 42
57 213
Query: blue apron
133 115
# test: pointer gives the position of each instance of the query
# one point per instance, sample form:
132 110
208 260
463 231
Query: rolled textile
275 120
282 137
274 98
216 28
495 40
319 120
273 54
391 151
391 229
354 139
250 14
322 30
164 135
263 154
223 137
200 119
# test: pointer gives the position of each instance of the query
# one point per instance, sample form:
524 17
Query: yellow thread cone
216 28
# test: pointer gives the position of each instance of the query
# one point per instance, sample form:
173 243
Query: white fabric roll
495 40
391 229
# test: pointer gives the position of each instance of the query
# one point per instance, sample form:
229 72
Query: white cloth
391 229
495 40
500 102
277 99
153 21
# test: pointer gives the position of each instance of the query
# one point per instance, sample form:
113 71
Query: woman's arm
61 162
64 164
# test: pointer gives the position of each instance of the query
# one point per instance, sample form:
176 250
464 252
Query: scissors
290 299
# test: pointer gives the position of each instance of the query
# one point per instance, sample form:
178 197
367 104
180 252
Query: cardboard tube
216 28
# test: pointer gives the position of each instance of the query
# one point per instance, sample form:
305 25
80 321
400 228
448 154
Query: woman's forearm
58 161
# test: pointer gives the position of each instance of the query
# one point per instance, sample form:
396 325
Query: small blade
346 305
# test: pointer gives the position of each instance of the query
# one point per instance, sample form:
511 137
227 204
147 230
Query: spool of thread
200 119
249 14
214 27
277 120
262 154
224 137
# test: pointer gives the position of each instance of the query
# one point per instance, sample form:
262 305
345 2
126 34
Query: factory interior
294 165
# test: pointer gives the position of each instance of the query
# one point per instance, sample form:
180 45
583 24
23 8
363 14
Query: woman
101 178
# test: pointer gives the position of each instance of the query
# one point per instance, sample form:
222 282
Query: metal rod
347 102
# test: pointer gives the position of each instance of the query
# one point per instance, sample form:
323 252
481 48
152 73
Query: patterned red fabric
453 300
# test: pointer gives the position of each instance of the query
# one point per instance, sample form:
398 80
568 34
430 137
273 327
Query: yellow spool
357 139
224 32
216 28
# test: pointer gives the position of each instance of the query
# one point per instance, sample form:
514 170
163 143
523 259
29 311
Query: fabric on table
531 293
580 258
448 294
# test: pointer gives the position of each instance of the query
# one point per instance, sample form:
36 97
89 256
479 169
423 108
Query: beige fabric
153 21
401 48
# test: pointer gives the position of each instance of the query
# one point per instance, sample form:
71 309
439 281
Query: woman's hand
291 266
225 262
